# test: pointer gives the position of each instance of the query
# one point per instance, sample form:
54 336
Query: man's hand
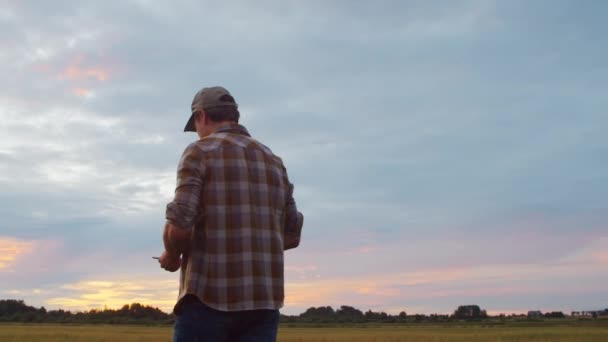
170 262
293 230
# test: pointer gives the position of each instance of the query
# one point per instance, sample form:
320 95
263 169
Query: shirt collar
233 128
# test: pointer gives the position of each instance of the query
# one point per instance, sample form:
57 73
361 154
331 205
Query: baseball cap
207 98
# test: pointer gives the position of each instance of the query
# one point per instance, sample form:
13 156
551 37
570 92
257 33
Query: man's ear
204 117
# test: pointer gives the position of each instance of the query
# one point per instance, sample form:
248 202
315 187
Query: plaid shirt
234 194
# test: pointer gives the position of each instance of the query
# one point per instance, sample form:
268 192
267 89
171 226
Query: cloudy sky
443 152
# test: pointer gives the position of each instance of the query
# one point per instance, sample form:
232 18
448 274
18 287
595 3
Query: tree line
12 310
349 314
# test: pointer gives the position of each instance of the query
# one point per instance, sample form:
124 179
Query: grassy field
414 333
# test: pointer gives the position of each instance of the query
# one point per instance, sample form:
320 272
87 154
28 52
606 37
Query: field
417 333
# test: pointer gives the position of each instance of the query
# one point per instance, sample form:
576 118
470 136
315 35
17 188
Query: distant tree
402 315
469 312
320 313
349 313
554 314
13 306
372 316
419 317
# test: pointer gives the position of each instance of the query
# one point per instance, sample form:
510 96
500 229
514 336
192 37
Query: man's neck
213 127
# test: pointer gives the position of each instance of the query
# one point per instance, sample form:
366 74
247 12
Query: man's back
236 260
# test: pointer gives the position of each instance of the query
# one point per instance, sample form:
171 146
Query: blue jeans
197 322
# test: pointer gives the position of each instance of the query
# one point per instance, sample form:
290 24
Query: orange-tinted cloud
368 249
11 249
596 253
82 92
321 291
601 257
75 72
309 294
78 73
378 291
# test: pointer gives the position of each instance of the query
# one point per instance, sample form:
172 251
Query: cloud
592 254
74 155
301 271
12 249
96 294
76 72
82 92
425 140
444 287
360 291
601 257
368 249
27 258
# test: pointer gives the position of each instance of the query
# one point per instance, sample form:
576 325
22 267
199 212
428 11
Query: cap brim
190 125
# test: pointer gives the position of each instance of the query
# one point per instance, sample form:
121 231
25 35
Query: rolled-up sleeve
184 210
294 219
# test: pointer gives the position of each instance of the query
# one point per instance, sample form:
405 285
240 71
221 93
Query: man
231 219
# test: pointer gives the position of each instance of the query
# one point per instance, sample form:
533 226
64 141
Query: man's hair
227 113
219 114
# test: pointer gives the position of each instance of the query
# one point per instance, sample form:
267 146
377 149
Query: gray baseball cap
206 98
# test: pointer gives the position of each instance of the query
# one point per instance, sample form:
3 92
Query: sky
443 153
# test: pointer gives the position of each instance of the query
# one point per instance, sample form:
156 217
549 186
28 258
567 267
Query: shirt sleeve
294 220
184 210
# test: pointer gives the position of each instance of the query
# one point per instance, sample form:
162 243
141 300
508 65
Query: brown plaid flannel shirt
234 194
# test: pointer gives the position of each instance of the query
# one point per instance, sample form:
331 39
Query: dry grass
106 333
93 333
